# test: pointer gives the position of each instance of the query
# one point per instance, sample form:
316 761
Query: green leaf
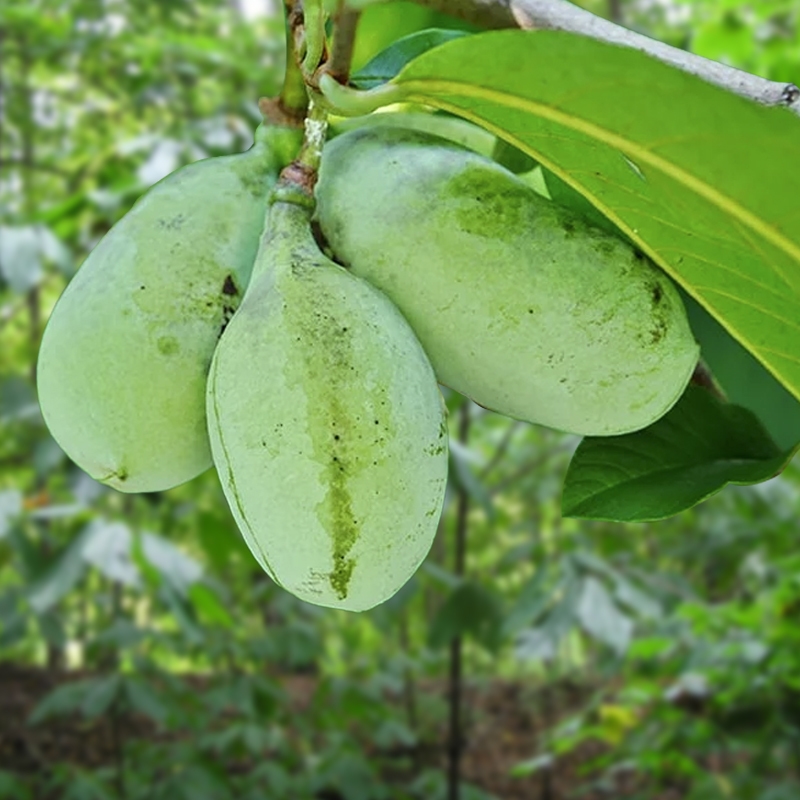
530 767
513 159
102 692
65 700
14 787
384 66
176 568
743 379
386 22
109 551
208 605
62 576
697 177
469 609
10 509
17 400
601 618
688 455
562 193
534 599
220 540
142 700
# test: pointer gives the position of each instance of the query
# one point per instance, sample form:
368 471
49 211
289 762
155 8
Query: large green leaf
701 179
688 455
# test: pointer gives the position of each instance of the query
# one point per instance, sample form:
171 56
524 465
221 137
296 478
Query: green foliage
692 452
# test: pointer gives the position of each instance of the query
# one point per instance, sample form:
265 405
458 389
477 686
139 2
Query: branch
344 36
560 15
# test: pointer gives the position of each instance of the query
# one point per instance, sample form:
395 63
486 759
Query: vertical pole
455 741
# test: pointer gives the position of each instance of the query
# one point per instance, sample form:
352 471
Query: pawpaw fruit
326 425
124 358
520 304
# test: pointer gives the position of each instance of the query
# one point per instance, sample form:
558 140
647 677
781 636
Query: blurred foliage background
143 654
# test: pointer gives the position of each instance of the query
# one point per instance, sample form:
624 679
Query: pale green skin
327 426
519 304
124 358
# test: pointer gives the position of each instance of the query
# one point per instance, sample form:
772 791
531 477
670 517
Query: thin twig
561 15
525 469
502 448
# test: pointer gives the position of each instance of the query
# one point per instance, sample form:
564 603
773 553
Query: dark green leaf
14 787
472 610
387 64
209 608
220 540
142 700
688 455
743 379
512 158
100 694
65 700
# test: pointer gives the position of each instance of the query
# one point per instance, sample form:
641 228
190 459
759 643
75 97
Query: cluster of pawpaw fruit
196 332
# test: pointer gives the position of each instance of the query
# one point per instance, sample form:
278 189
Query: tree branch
560 15
344 36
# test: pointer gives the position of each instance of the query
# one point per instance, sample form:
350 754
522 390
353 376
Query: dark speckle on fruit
229 287
168 345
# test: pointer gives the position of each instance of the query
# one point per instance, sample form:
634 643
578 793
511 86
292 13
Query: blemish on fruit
168 345
229 287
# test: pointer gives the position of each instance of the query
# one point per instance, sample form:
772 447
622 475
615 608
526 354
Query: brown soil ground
501 725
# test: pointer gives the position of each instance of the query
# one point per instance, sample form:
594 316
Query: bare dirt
502 726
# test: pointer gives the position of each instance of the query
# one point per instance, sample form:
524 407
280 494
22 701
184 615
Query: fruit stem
316 125
296 182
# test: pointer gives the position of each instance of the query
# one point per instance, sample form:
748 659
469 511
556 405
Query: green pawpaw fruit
520 304
124 358
327 426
